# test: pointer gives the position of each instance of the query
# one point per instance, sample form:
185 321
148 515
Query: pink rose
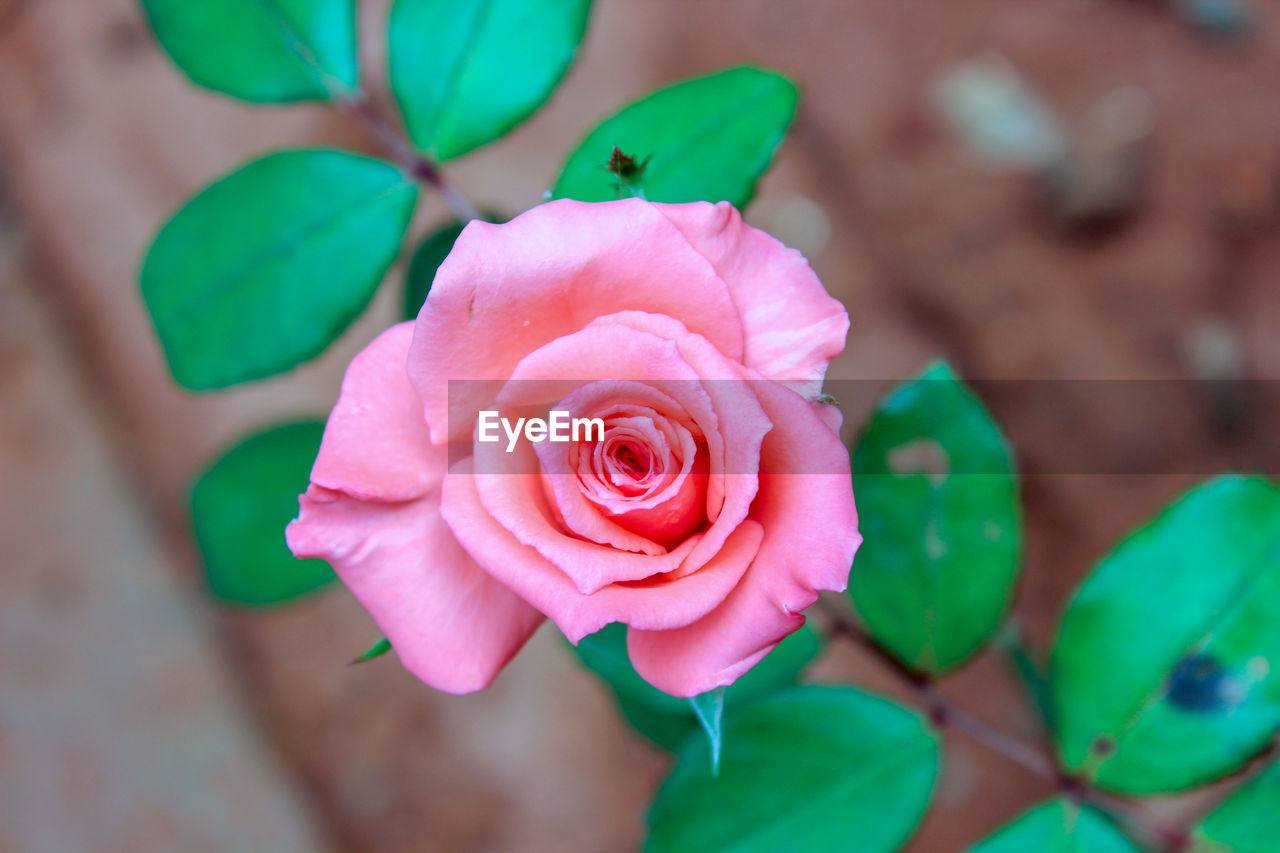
716 506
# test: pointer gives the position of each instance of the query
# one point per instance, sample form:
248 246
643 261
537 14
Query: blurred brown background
135 715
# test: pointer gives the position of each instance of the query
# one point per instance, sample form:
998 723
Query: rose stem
360 106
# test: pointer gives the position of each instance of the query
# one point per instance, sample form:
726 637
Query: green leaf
1058 827
665 728
427 258
938 507
709 709
465 74
664 719
705 139
266 51
265 268
1164 669
811 768
1248 822
667 720
240 507
376 651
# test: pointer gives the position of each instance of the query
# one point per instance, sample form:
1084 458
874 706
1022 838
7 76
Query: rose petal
660 604
510 488
376 444
567 482
372 512
726 413
733 448
831 415
793 328
681 512
451 624
506 290
810 526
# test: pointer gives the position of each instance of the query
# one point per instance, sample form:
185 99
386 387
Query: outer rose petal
810 536
372 512
451 624
376 444
505 290
793 328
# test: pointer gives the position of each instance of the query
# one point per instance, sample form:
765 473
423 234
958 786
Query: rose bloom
715 508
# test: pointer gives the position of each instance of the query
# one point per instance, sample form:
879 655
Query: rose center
637 460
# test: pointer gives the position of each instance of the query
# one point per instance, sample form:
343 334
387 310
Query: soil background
933 252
